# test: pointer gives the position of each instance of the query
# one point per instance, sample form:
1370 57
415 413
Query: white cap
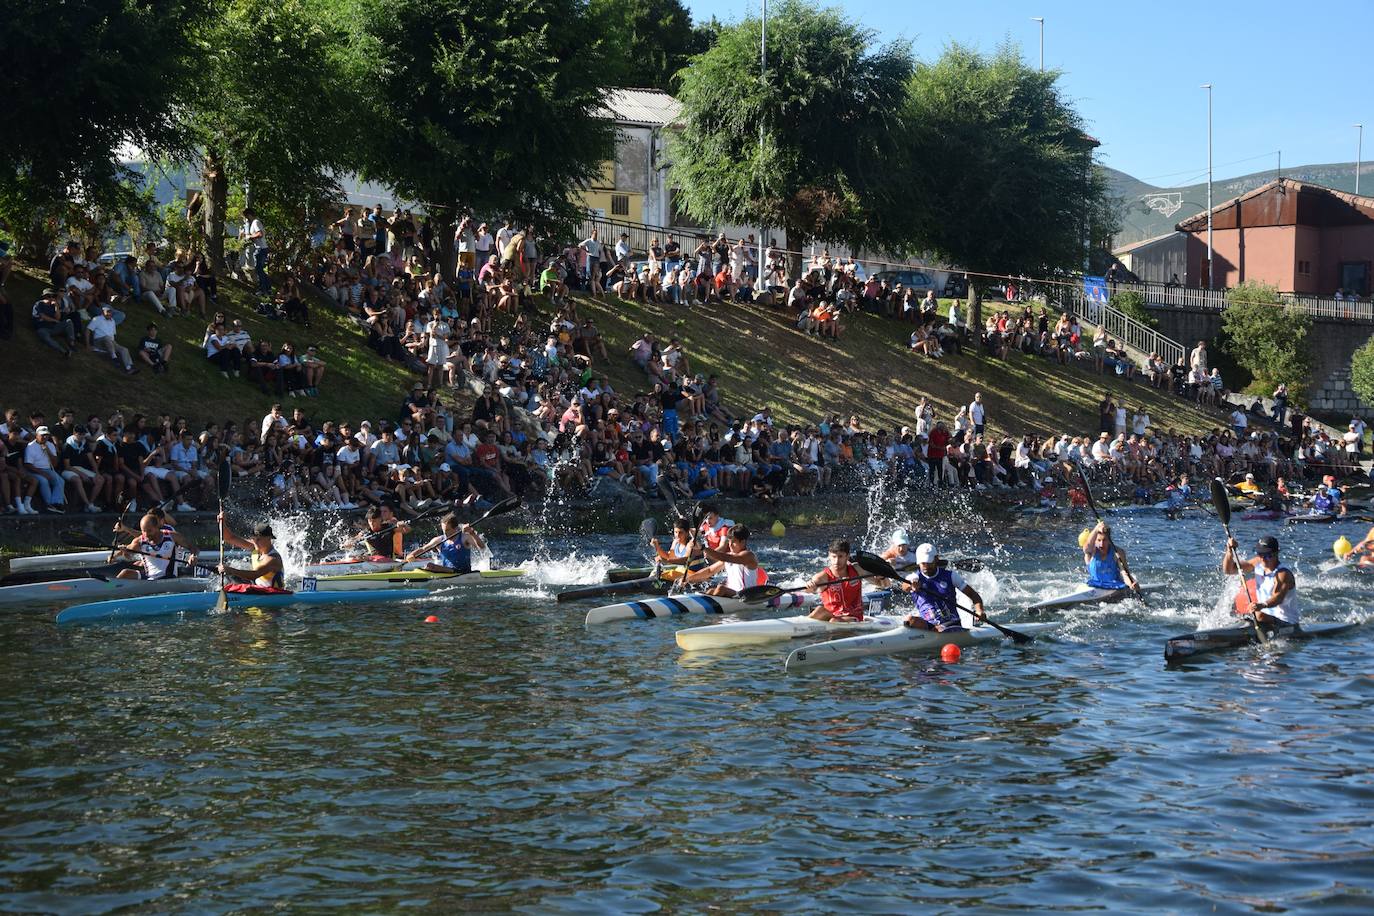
900 537
925 553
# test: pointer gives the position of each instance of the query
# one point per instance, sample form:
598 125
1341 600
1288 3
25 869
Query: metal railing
1120 327
1166 295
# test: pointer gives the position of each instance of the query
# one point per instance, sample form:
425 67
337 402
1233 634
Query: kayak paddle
224 476
75 538
1092 504
883 569
1222 501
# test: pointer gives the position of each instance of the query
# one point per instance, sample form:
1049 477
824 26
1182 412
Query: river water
508 758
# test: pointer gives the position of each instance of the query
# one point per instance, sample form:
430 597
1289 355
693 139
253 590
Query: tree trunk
444 223
215 200
975 314
793 241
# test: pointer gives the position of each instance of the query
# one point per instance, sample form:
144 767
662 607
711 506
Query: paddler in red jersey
841 601
714 529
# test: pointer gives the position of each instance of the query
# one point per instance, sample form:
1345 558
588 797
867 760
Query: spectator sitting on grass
153 351
100 337
52 325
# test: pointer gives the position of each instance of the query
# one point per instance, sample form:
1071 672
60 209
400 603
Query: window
1304 267
620 205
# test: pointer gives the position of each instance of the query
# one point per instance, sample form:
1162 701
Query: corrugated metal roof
642 106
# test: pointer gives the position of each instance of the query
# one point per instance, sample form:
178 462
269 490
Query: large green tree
648 41
493 109
274 112
1002 178
1268 338
811 145
85 85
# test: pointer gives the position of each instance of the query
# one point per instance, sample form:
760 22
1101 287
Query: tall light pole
1211 278
1359 155
763 79
1041 20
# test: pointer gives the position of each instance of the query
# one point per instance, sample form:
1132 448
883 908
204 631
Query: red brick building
1300 237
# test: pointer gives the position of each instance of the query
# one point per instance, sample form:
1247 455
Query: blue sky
1286 76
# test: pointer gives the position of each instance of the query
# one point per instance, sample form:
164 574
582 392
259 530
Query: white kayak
777 629
60 560
348 566
1089 595
899 640
408 578
66 590
650 608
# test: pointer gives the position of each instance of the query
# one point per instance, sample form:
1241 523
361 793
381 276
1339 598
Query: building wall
1161 261
1264 253
1341 244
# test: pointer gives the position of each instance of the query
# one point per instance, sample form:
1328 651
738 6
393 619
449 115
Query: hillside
1139 222
759 355
356 384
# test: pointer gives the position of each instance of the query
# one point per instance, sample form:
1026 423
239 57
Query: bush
1132 304
1268 338
1362 372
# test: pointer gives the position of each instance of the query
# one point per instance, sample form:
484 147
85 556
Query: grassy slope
356 384
762 359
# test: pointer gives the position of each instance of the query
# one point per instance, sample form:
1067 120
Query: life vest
269 580
387 544
937 599
1105 572
456 555
715 537
681 551
738 577
1322 501
844 601
1266 583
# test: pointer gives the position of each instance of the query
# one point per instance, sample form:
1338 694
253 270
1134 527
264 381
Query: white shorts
74 473
158 473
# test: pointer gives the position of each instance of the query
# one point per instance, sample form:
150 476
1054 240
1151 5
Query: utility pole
763 78
1359 155
1041 20
1211 278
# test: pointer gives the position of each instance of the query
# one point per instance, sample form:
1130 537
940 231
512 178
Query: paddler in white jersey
900 553
153 552
167 524
1276 589
266 570
737 561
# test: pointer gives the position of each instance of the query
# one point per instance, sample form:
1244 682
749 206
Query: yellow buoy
1342 547
1083 537
779 529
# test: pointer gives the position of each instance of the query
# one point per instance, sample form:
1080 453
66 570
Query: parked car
910 279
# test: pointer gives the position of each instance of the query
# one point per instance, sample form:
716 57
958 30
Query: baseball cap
41 431
1267 544
925 553
900 537
262 530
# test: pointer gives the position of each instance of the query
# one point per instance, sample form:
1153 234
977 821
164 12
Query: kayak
171 605
780 629
1262 515
646 584
1202 641
60 560
1318 518
208 558
1089 595
407 578
650 608
89 587
897 641
347 566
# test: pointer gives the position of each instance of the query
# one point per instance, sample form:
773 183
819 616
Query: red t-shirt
846 600
487 455
937 443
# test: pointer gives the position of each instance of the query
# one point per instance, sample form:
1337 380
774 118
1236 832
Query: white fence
1215 300
1120 326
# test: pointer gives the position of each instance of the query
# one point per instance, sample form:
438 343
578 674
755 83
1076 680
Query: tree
84 84
648 42
1362 372
1132 305
273 111
811 146
1267 337
496 109
1002 179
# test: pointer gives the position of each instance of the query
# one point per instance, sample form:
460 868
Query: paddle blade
224 479
757 593
222 602
504 507
74 538
968 564
1087 490
875 565
646 530
1221 501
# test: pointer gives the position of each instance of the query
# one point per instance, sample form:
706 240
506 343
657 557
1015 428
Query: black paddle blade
225 478
876 565
504 507
1221 500
756 593
74 538
968 564
1087 490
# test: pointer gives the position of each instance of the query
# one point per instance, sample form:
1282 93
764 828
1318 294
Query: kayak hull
67 590
60 561
1219 640
1087 595
777 629
172 605
899 640
677 605
410 578
349 566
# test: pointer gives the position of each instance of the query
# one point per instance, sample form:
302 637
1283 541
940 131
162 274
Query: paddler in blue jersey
454 546
682 548
1107 567
1276 589
935 590
1328 498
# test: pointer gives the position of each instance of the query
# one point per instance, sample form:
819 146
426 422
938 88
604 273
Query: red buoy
432 618
950 653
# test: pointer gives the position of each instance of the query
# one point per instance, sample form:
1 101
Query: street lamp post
763 76
1041 20
1359 155
1211 278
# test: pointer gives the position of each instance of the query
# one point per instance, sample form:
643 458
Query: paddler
900 552
1106 562
714 529
153 551
1362 554
681 552
935 590
454 546
266 570
1276 589
1248 487
843 601
167 524
382 533
1328 498
1176 495
736 561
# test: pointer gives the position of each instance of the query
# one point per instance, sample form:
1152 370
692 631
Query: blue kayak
202 602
